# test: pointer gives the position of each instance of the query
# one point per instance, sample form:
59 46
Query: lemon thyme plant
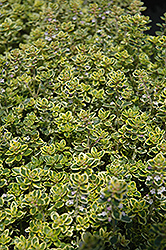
82 126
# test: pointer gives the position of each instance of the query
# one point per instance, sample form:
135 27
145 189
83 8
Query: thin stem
147 92
29 89
88 142
38 90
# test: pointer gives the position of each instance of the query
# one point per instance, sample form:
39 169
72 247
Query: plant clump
82 126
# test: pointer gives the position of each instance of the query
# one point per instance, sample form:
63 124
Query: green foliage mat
82 126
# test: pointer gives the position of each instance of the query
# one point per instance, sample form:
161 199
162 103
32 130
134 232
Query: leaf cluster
82 126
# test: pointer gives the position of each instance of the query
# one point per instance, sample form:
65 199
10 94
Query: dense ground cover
82 126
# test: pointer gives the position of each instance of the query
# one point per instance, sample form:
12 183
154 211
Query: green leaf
37 184
18 157
47 230
134 137
9 153
10 159
58 166
133 201
126 218
3 182
80 220
1 205
158 240
59 204
114 239
116 214
28 152
33 210
2 247
20 214
142 220
24 147
142 214
16 170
